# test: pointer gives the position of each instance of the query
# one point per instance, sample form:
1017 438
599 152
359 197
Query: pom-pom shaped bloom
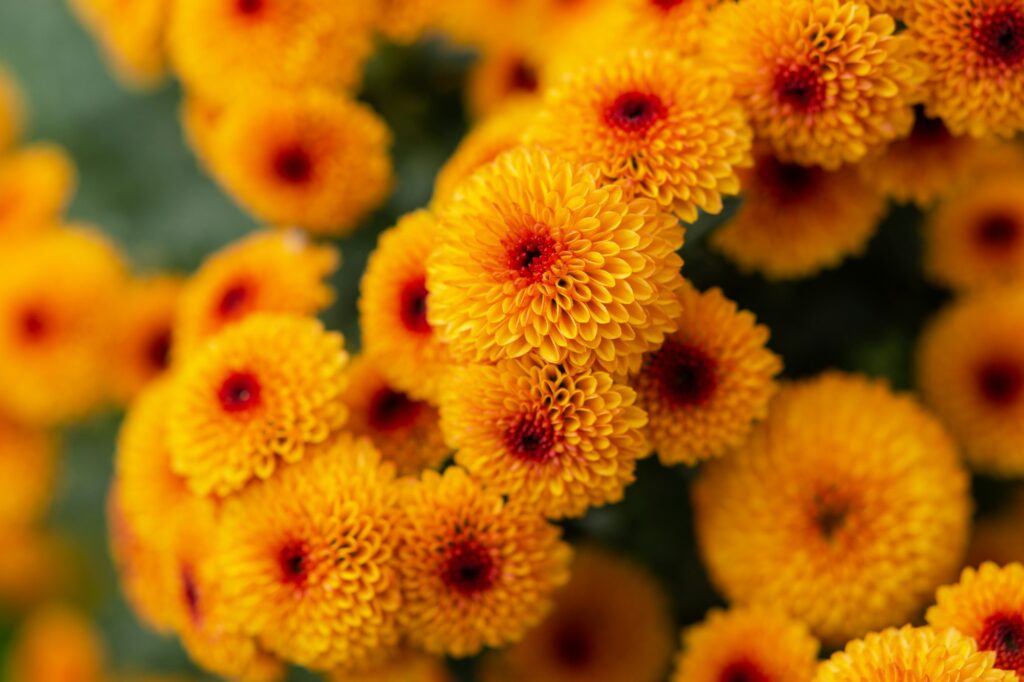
661 124
974 50
310 158
677 25
263 390
393 304
142 333
307 559
709 382
970 369
824 81
56 644
11 110
797 220
912 654
611 623
36 184
132 35
55 330
536 257
404 429
555 439
27 466
270 272
804 516
749 644
475 571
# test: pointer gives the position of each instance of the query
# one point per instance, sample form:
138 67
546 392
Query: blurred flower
37 566
536 257
677 25
263 390
56 644
807 516
132 35
489 24
797 220
504 77
142 333
28 462
970 369
36 184
403 21
711 380
407 666
11 110
996 536
555 439
475 571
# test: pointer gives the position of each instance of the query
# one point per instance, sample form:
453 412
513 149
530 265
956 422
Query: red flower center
293 165
666 4
531 437
686 374
249 7
33 325
391 410
468 568
572 646
190 592
293 560
522 77
800 87
999 35
412 306
532 254
998 232
1003 633
635 112
240 391
743 670
1001 382
158 350
233 300
787 182
831 512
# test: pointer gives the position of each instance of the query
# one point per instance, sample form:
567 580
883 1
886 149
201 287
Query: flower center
1001 382
635 112
743 671
573 646
666 4
391 410
249 7
531 255
800 87
998 232
831 513
522 77
999 35
240 391
293 165
531 437
190 592
469 568
293 560
158 350
412 306
233 300
33 325
1003 633
787 182
686 374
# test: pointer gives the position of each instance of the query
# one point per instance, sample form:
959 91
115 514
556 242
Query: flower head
36 184
142 333
504 77
677 25
57 644
132 35
28 462
403 21
11 110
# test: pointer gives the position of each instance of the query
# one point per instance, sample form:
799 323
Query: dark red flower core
190 592
233 300
928 130
685 373
998 35
531 437
249 7
293 165
635 112
531 254
1001 381
522 77
998 232
667 4
743 670
293 560
412 306
158 349
1003 633
468 568
573 645
33 325
240 391
787 182
391 410
800 87
831 513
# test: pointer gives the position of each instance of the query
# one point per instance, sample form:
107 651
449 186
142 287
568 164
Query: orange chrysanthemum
662 125
404 429
555 439
804 516
970 369
37 566
270 272
755 645
538 257
393 305
403 21
27 467
710 381
797 220
975 53
227 48
56 644
131 33
503 78
307 559
611 623
11 110
36 184
912 654
408 666
824 81
55 331
310 158
475 571
677 25
142 334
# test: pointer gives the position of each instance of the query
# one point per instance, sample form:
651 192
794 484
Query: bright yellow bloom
503 78
28 462
142 333
824 81
710 381
489 24
805 515
408 666
797 220
662 125
970 369
677 25
56 644
538 257
36 184
132 35
11 110
752 645
475 571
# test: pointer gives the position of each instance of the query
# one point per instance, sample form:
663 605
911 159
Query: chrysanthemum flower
142 333
11 110
408 666
263 390
37 566
970 369
27 466
271 272
307 559
475 571
488 24
749 645
677 25
393 305
710 381
912 654
975 53
504 77
662 125
976 238
132 35
611 623
824 82
403 21
309 158
54 331
797 220
536 257
404 429
228 48
36 184
56 644
555 439
806 516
